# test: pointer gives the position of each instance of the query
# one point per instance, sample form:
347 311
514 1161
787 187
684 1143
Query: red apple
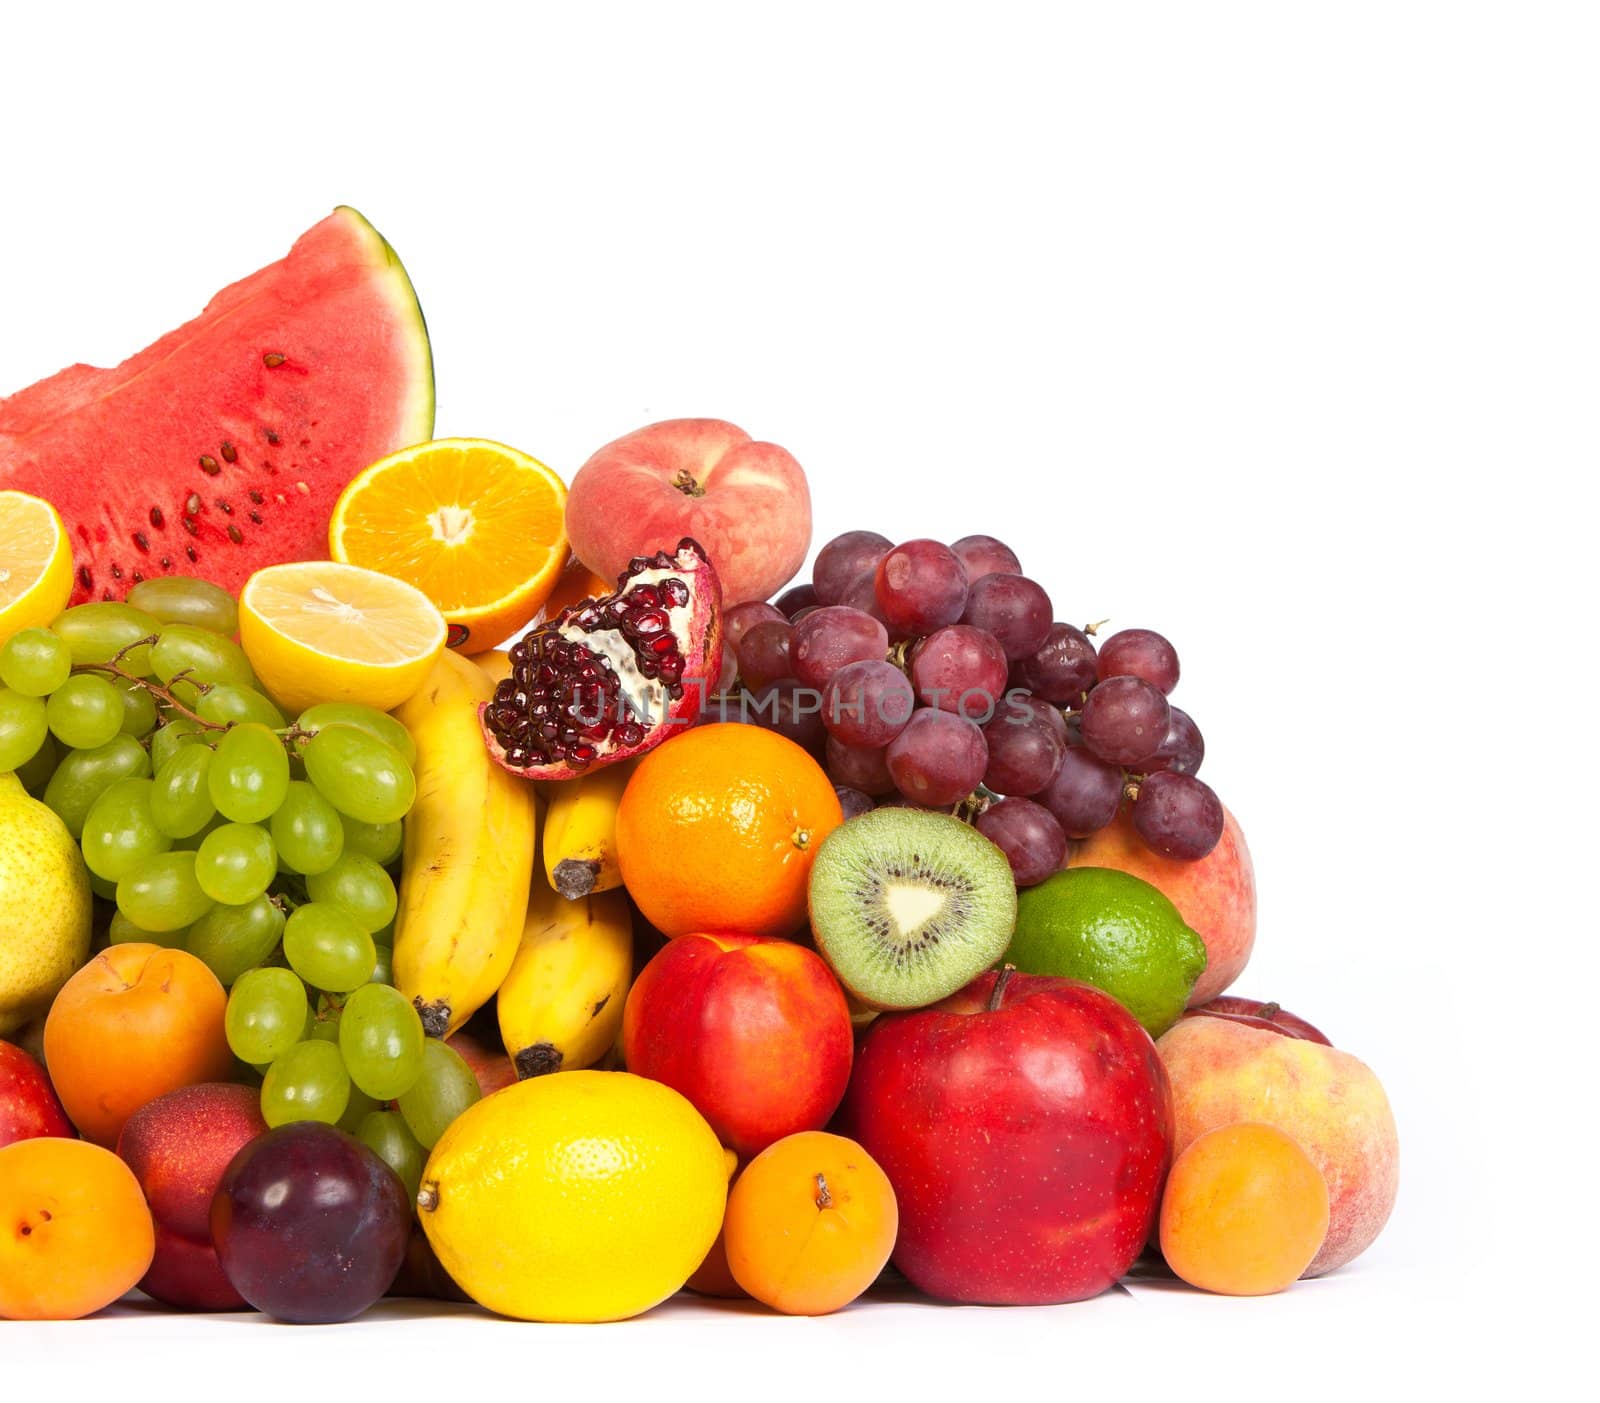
29 1106
754 1031
1026 1125
178 1147
745 501
1253 1013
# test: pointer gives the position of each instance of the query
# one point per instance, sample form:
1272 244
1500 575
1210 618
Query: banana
580 832
561 1006
469 854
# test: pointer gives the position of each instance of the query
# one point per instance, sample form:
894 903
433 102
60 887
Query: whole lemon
45 908
578 1196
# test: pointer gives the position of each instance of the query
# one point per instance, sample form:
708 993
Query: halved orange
478 527
35 563
319 630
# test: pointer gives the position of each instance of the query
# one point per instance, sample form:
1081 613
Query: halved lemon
317 630
35 563
478 527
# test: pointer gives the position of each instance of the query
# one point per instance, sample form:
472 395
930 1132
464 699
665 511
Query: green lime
1114 931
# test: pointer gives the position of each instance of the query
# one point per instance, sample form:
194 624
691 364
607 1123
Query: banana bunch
561 1006
580 832
469 852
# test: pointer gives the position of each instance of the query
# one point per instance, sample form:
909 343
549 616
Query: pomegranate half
610 677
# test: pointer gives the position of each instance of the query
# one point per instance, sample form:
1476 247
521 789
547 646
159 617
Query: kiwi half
908 905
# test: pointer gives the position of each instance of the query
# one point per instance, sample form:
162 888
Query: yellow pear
45 906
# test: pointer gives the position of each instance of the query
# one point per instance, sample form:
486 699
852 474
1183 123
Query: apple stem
998 993
824 1198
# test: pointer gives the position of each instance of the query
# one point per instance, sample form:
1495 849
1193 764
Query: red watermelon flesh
224 446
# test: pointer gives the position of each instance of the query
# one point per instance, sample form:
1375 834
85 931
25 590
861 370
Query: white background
1269 326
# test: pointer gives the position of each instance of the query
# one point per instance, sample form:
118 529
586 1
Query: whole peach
1223 1072
745 501
178 1147
1216 895
754 1031
134 1023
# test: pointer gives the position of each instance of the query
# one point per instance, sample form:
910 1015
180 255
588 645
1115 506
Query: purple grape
1084 793
983 555
793 600
1124 720
740 619
1062 670
1026 740
1178 816
938 759
789 708
853 802
921 586
1028 834
862 767
960 669
867 702
766 653
844 560
1137 652
831 637
309 1225
1012 608
1182 750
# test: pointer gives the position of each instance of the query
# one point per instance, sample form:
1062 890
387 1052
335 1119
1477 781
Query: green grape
249 773
359 887
227 704
266 1015
35 662
201 656
123 932
84 711
193 841
105 890
383 971
359 775
173 737
307 830
327 949
180 798
235 863
325 1021
384 936
35 773
445 1089
356 1110
308 1082
379 841
119 832
381 1038
233 939
161 893
388 1136
139 714
179 599
377 724
96 633
83 775
24 728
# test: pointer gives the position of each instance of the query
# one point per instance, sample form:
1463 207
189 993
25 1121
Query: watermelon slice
224 446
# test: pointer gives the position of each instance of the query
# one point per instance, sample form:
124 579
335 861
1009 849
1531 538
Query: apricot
810 1224
1245 1211
134 1023
75 1232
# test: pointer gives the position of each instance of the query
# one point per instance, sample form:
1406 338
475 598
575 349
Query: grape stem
1094 628
163 695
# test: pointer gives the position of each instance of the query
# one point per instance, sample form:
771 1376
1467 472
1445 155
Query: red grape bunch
937 676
